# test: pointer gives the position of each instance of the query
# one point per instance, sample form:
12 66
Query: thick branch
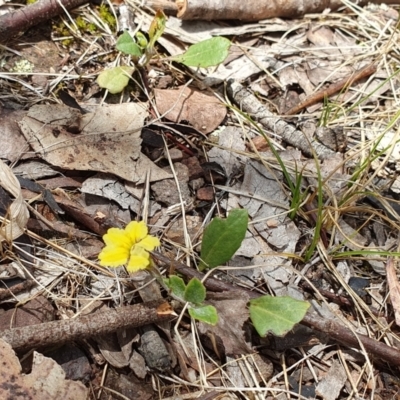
255 10
100 323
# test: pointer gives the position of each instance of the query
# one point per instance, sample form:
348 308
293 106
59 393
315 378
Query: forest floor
299 125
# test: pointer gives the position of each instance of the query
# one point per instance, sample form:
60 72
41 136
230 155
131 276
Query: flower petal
136 231
117 238
149 243
113 256
139 259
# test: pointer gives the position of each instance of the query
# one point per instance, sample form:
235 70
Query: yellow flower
129 246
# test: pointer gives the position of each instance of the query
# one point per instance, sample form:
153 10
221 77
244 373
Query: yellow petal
117 237
113 257
139 259
136 231
149 243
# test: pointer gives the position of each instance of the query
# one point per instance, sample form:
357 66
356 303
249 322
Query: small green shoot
127 45
203 54
222 238
319 217
176 285
157 28
276 314
297 195
193 293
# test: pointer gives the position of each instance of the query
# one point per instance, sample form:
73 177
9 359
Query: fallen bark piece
329 388
46 381
57 332
255 10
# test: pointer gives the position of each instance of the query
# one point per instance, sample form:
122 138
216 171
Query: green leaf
222 238
276 314
141 40
157 27
127 45
115 79
195 291
206 53
177 286
207 314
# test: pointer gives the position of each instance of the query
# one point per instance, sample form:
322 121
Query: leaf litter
282 65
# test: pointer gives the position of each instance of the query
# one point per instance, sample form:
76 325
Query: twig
338 332
379 350
84 327
247 102
13 23
18 288
332 89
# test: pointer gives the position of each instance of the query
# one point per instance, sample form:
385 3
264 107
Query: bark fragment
255 10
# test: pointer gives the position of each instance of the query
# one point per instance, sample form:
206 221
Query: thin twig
13 23
332 89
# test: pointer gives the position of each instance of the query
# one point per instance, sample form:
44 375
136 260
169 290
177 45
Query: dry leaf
232 314
18 213
107 140
203 111
394 289
46 381
329 388
13 144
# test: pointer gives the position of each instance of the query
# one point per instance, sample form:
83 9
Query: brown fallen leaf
107 140
13 144
232 314
203 111
46 381
17 211
394 289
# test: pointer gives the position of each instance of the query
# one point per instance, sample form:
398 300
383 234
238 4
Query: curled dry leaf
18 214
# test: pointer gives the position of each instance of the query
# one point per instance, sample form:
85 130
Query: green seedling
194 293
204 54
